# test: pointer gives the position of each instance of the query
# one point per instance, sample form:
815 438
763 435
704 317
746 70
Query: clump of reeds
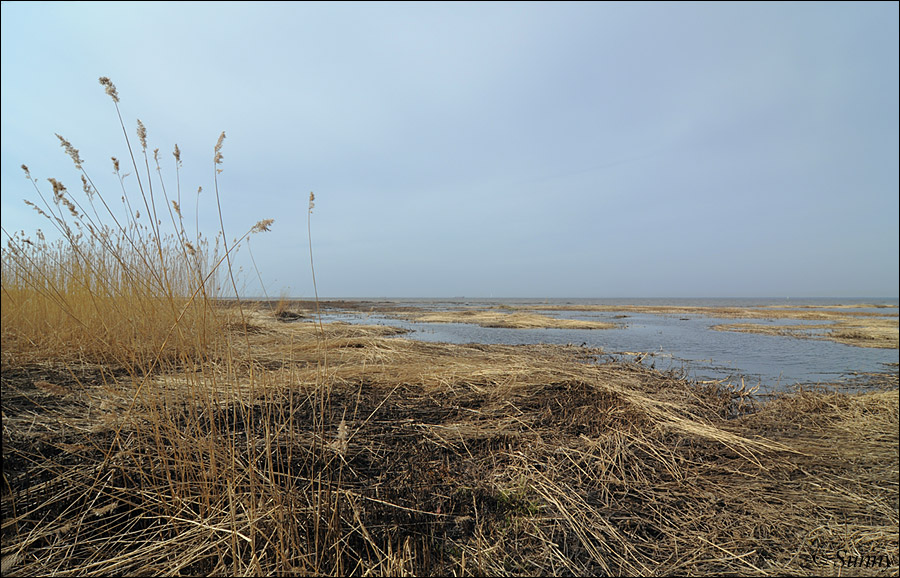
124 308
195 459
123 283
284 310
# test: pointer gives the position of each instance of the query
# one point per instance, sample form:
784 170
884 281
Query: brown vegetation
860 332
516 320
453 460
763 312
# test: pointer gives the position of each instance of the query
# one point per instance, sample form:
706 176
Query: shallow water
682 342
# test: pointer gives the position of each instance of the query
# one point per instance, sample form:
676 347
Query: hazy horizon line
507 298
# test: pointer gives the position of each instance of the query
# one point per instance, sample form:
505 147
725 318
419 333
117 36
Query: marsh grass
508 320
284 310
879 333
151 427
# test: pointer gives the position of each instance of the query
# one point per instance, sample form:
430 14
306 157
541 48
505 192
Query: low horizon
496 298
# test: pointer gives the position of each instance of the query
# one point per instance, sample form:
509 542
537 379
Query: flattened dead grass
443 460
516 320
812 312
860 332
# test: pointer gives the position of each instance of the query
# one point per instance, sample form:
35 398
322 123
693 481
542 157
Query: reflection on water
683 342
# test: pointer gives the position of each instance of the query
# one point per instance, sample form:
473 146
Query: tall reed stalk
326 488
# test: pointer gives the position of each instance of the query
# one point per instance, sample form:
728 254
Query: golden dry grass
512 320
762 312
860 332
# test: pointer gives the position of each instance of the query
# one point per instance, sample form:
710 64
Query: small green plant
517 499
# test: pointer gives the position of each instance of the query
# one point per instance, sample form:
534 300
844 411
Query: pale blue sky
519 150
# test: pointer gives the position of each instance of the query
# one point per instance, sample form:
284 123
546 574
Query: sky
542 150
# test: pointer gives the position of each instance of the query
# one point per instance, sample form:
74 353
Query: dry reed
517 320
879 333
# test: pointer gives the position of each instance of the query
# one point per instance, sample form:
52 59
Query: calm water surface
682 342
